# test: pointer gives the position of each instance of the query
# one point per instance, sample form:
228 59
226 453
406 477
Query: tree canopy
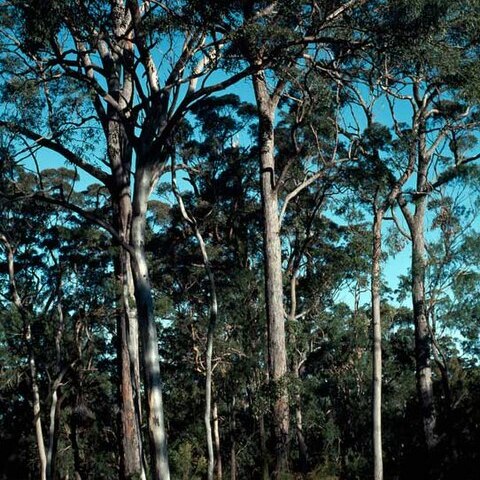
239 239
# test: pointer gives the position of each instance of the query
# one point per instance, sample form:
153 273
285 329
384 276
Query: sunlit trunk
147 327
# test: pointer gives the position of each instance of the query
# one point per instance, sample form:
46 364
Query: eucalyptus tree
123 74
417 73
377 178
285 33
209 156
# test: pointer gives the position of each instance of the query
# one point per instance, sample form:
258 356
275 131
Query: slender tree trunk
27 337
377 347
55 403
208 413
209 353
302 446
216 439
148 330
37 421
208 380
52 430
54 414
211 326
273 277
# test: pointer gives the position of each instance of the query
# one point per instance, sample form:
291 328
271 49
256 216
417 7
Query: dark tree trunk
422 337
131 465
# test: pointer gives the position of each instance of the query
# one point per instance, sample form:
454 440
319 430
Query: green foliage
185 465
385 59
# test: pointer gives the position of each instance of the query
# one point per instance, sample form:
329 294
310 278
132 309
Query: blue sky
394 267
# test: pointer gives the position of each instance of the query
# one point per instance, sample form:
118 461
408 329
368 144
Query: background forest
239 239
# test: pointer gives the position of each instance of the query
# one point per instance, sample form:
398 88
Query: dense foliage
150 157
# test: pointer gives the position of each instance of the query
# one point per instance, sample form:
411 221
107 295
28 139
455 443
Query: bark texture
119 153
144 180
273 275
120 158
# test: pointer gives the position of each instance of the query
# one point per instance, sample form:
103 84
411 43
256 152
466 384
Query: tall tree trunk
119 152
377 347
130 456
273 276
52 434
423 340
148 330
209 354
55 404
208 400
